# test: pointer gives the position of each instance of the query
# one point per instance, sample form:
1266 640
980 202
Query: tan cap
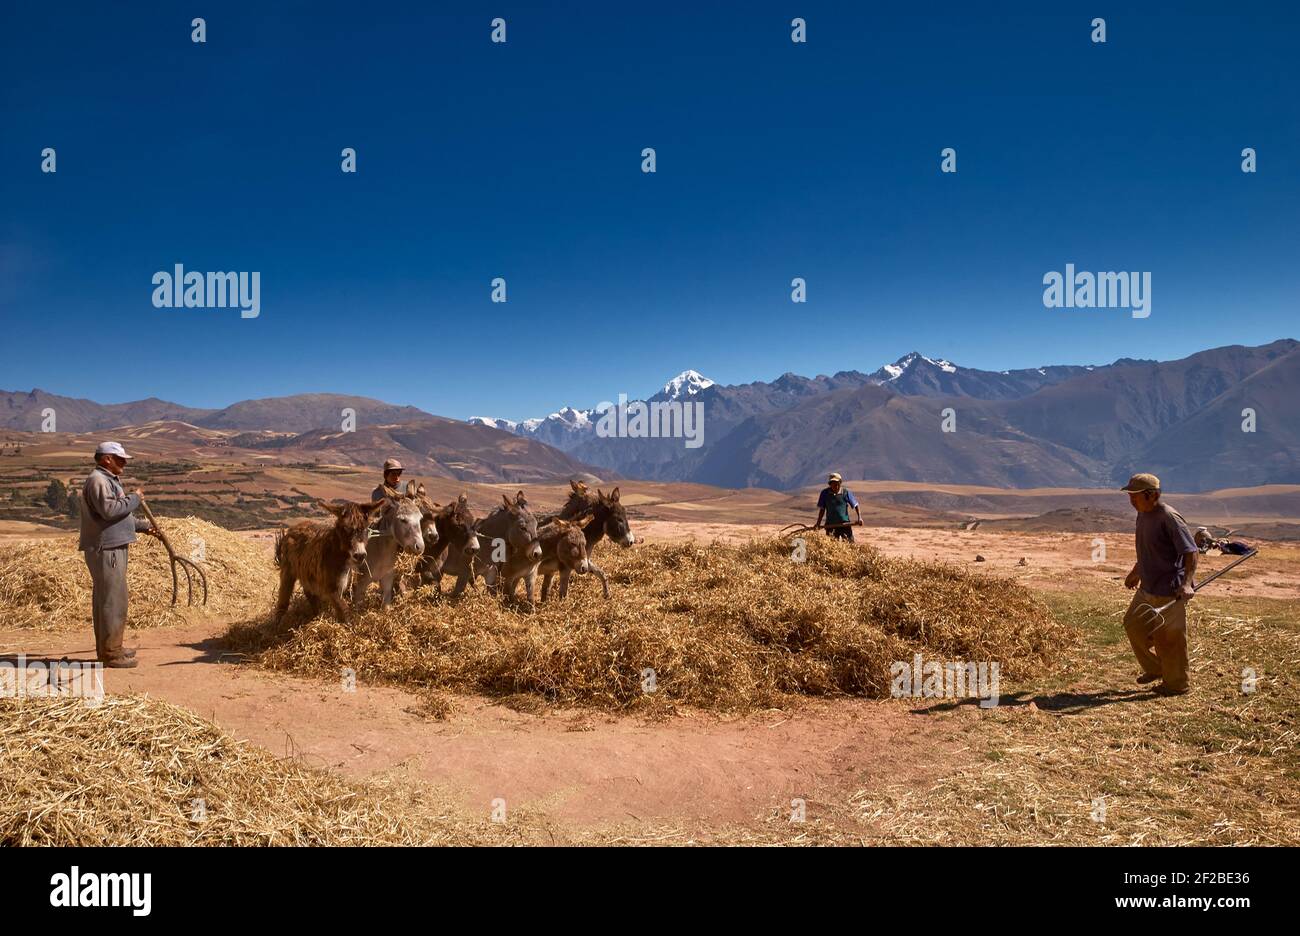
835 476
392 465
1141 482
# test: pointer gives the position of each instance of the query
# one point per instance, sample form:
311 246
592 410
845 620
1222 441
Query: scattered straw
46 584
135 771
1102 761
710 626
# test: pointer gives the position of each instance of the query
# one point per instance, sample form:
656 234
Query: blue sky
522 160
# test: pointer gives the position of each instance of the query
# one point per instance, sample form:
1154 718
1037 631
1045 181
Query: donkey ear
420 490
578 487
374 506
463 499
521 500
410 488
335 509
613 495
506 500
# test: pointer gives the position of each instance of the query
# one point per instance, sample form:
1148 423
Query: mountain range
297 413
1060 425
304 428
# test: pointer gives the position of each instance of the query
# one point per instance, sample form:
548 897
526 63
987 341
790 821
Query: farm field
1072 733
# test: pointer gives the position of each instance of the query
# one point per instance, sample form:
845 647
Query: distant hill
443 448
306 411
24 411
298 413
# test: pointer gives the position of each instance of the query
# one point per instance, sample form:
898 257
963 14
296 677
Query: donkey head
521 527
428 515
614 517
403 519
570 544
351 527
580 501
458 521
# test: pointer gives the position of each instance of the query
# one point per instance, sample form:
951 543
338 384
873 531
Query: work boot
121 661
1147 677
1164 690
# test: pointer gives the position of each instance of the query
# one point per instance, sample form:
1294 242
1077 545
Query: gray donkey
513 549
456 551
402 528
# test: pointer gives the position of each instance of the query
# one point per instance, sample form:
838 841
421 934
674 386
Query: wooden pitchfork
1150 614
186 565
795 529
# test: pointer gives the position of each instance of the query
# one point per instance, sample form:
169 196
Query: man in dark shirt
834 504
1166 562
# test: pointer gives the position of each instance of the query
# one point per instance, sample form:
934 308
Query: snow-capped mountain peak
891 372
687 383
493 422
572 417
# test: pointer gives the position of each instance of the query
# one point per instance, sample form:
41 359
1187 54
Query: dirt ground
580 768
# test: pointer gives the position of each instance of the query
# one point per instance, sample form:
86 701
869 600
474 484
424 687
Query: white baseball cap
111 448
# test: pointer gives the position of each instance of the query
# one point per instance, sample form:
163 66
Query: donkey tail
279 548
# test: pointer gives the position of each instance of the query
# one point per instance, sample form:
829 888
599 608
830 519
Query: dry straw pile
721 627
46 584
134 771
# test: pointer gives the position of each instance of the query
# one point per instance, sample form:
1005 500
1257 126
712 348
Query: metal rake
1150 614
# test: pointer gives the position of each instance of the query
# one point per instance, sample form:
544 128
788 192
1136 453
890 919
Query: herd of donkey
363 545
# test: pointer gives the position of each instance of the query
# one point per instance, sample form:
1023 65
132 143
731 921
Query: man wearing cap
108 528
834 504
1166 562
392 477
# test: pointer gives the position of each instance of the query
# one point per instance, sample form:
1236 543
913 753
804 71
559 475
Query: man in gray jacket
108 528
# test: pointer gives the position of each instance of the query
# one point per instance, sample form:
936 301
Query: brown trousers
1161 649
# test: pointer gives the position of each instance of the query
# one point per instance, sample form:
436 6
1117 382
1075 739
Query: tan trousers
1161 649
108 599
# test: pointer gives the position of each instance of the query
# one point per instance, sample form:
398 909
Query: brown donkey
564 550
608 518
580 502
322 558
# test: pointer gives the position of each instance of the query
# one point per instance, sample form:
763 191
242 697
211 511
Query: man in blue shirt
834 504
